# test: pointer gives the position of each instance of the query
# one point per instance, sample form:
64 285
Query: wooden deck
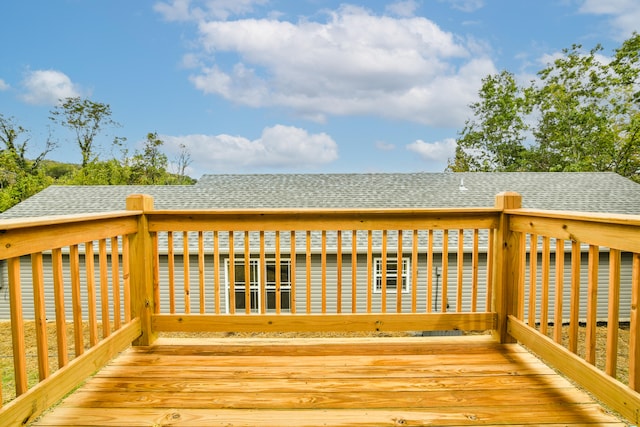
452 381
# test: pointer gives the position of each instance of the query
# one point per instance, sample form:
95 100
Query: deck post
141 269
506 271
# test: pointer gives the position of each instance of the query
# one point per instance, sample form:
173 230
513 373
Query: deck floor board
330 382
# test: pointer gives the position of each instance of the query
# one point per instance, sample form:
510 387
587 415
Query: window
255 278
391 274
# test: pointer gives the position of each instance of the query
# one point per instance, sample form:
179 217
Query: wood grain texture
413 381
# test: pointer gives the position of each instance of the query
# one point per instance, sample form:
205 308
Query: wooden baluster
91 293
354 271
400 276
115 283
308 267
634 327
292 273
339 271
383 271
414 272
460 272
475 261
445 270
575 296
74 266
232 275
544 303
592 304
430 272
323 273
247 274
126 282
263 275
186 272
17 326
559 289
533 278
171 265
278 272
58 296
155 254
613 319
37 276
201 275
369 269
104 288
216 273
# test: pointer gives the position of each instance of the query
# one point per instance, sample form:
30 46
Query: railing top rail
608 218
326 211
43 221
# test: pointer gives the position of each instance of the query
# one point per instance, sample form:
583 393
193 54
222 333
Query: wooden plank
250 395
613 393
135 383
513 415
323 323
25 408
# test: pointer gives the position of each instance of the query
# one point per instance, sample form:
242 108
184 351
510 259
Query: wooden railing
72 276
576 274
124 277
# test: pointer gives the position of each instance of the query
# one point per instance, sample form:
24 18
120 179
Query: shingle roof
587 192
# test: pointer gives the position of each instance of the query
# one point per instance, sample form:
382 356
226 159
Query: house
584 192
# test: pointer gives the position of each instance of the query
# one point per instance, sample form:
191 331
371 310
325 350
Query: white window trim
256 285
406 275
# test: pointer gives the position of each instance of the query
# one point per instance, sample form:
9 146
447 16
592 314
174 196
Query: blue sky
276 86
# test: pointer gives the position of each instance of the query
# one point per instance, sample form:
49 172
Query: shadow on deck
467 380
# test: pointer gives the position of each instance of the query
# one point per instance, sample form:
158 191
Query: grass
31 352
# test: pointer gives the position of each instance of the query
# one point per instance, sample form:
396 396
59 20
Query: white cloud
625 14
354 63
439 151
278 147
48 87
4 85
197 10
405 8
465 5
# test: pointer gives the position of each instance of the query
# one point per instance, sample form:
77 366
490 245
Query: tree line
582 113
23 175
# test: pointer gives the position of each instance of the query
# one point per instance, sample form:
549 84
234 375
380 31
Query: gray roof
574 191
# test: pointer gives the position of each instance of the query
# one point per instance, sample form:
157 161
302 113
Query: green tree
86 119
583 115
20 177
150 165
494 139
